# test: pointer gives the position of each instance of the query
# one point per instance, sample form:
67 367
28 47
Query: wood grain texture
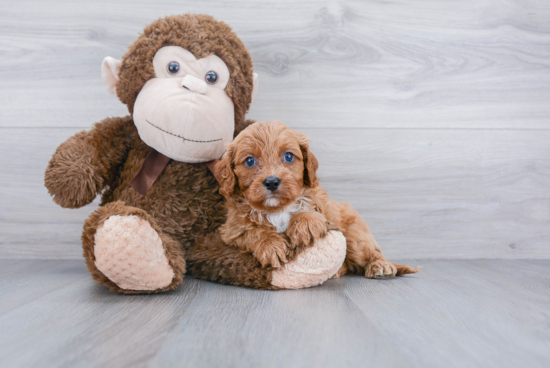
484 313
413 64
425 193
431 117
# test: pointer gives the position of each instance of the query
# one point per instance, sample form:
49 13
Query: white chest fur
281 219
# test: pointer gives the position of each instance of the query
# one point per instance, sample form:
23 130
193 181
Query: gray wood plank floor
476 313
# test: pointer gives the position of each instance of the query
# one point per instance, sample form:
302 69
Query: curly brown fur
73 188
252 206
79 171
211 259
184 203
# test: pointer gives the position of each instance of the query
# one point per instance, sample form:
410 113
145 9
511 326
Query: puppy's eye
288 157
211 77
250 161
173 67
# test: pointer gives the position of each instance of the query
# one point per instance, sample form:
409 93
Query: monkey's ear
109 73
254 85
225 175
310 163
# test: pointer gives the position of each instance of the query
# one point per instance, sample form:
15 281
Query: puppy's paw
380 268
306 227
272 252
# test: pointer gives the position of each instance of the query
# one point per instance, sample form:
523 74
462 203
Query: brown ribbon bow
151 169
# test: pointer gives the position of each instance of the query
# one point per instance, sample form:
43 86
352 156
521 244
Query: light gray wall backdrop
432 117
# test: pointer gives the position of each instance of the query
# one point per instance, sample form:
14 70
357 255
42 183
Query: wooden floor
483 313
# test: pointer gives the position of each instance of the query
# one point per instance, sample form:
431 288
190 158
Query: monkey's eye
173 67
288 157
211 77
250 161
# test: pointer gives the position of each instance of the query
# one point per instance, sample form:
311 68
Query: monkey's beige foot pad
130 253
313 266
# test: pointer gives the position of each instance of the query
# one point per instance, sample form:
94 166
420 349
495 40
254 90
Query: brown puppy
276 207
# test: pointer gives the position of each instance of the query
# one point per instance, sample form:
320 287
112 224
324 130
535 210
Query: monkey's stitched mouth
179 136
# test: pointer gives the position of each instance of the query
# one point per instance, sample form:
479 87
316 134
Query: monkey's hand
72 178
305 228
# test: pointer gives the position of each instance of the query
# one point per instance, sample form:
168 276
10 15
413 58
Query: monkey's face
184 112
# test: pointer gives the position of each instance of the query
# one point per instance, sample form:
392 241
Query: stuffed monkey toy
187 82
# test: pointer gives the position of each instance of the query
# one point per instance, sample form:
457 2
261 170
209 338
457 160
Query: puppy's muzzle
272 183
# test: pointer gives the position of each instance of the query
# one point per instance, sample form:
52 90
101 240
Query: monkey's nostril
194 84
187 88
272 183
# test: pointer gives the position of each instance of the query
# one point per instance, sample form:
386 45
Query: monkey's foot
314 265
130 253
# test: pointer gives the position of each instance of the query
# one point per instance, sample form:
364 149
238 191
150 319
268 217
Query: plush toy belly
313 266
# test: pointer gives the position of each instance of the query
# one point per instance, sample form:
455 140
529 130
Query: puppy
276 207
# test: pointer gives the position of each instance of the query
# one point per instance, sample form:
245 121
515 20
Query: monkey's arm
85 163
211 259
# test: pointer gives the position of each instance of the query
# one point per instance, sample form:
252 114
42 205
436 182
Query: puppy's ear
224 173
310 163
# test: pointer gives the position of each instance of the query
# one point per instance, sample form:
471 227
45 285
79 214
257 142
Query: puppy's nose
272 183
